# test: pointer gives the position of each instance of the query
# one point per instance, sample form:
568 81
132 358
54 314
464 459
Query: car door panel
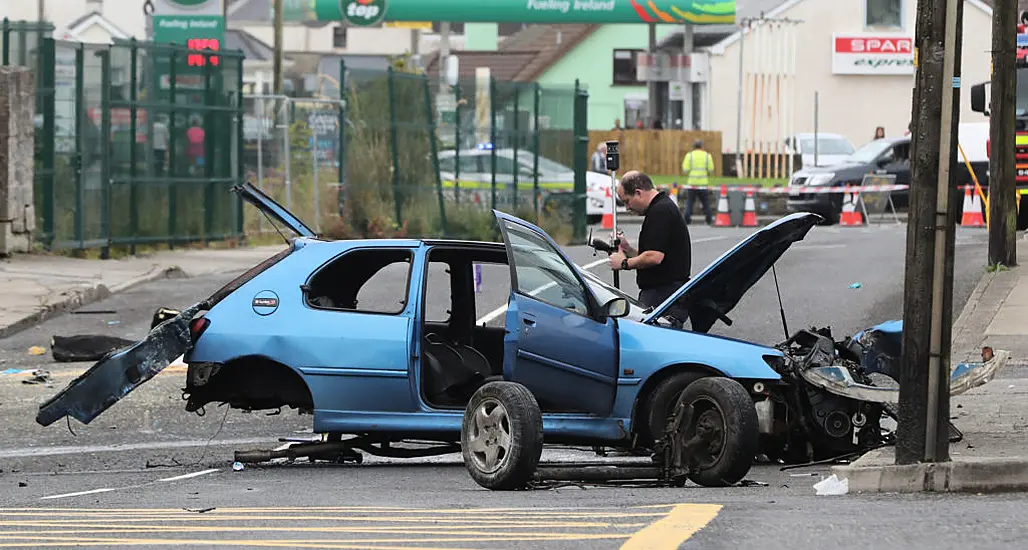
568 359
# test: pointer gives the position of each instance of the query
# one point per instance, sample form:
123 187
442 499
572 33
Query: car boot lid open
269 206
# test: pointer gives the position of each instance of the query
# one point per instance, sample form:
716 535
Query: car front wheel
724 422
502 436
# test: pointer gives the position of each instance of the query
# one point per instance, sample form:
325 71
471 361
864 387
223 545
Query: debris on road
856 285
39 376
199 510
237 466
11 371
85 347
832 486
37 350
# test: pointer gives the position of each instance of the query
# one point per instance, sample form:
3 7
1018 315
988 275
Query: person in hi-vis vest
698 164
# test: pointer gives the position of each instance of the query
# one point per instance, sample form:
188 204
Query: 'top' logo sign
363 13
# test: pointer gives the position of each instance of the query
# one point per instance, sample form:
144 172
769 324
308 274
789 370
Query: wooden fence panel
658 152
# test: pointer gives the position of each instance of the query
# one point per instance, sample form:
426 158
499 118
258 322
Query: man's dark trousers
653 297
704 196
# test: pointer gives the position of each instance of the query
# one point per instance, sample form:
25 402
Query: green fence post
172 163
47 92
80 92
240 138
581 162
517 139
435 152
105 150
537 92
210 135
492 138
396 155
341 149
456 145
7 41
133 197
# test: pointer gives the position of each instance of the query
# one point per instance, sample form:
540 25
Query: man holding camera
664 256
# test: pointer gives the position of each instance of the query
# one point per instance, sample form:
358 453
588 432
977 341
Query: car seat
454 371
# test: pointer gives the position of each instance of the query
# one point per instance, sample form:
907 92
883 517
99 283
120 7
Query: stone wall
17 159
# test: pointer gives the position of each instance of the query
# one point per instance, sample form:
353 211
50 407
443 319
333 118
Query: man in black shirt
664 256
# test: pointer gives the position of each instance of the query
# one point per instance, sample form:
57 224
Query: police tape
798 189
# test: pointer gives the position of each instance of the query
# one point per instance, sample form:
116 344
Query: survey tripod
613 163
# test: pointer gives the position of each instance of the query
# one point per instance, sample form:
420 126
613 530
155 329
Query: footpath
993 454
36 287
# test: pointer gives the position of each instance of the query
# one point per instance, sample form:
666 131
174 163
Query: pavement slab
38 286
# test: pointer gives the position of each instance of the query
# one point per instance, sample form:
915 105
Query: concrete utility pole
653 110
923 432
277 63
688 88
41 10
1002 184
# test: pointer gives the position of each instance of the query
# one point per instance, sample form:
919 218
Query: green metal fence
503 145
137 143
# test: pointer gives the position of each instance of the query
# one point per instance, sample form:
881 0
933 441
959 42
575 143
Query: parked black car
887 156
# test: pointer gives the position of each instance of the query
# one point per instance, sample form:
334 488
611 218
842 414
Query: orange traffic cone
723 219
972 216
849 215
608 212
749 213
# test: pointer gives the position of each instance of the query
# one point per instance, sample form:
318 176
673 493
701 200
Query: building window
625 63
455 28
883 13
339 36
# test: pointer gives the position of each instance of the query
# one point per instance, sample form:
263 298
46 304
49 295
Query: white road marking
188 476
109 489
80 493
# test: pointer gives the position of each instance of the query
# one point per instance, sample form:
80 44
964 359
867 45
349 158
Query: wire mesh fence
136 142
399 153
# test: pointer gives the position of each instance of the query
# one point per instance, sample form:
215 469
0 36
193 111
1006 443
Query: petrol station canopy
369 12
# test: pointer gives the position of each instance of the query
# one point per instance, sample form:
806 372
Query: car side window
437 295
366 280
446 164
470 164
542 274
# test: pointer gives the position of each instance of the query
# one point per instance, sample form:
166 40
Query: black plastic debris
39 376
86 347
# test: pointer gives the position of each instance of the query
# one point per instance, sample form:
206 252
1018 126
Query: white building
856 54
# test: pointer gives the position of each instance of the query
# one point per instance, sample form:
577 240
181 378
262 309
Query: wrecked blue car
575 361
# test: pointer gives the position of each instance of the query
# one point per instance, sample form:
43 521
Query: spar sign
873 54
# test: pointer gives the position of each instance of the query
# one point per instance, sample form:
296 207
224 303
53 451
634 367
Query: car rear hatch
715 291
120 372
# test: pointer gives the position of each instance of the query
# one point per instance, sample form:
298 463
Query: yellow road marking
682 522
370 519
246 543
384 527
366 509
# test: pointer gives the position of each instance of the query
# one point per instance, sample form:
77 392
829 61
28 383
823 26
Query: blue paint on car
289 333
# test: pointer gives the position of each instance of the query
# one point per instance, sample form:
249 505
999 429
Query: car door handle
527 321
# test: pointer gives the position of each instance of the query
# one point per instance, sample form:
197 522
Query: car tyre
724 410
662 400
502 436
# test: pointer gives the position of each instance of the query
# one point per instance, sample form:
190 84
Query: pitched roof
253 48
80 24
523 56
